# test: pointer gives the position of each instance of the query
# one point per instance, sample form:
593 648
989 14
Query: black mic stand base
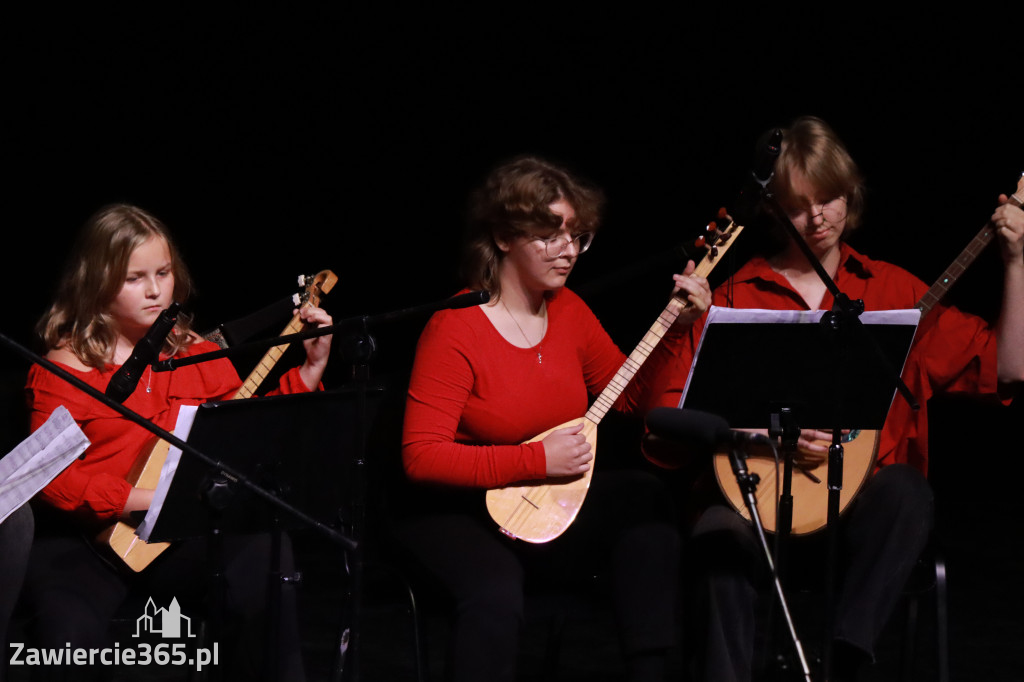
748 485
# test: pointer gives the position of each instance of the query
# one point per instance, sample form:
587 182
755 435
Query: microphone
145 353
766 152
467 300
702 431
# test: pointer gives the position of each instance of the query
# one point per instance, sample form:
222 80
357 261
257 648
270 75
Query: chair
378 568
929 575
900 642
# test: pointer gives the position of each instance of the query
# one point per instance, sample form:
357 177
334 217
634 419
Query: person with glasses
884 530
487 378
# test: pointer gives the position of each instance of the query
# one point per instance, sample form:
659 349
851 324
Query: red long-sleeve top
474 397
953 352
94 488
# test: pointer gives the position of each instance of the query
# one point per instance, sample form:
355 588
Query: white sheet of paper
37 460
186 415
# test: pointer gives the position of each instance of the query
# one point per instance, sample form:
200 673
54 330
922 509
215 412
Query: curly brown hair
514 200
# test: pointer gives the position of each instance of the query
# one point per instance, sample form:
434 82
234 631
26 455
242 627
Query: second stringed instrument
540 511
120 537
809 483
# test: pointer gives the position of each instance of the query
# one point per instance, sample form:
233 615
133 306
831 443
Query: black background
277 143
289 141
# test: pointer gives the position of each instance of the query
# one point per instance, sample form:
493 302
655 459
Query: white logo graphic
168 623
165 622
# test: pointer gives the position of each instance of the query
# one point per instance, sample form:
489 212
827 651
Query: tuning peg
700 242
296 299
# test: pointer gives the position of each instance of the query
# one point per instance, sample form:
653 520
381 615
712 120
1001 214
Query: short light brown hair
811 147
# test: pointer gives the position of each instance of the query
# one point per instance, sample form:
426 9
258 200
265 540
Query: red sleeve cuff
537 460
291 382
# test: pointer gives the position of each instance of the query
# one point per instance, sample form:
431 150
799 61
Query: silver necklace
529 344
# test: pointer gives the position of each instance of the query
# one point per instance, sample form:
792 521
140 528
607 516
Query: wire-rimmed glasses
557 244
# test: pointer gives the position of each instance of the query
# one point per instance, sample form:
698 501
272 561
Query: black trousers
15 542
623 529
881 537
72 594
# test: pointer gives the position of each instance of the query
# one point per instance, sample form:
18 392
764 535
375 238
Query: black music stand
787 370
291 445
751 363
298 447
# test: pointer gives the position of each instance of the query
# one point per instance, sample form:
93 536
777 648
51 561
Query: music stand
298 447
751 363
291 445
757 368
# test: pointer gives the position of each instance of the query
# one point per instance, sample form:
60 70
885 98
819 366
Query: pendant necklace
530 344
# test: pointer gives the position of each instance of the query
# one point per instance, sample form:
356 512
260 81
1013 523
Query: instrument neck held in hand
316 285
970 253
632 365
716 242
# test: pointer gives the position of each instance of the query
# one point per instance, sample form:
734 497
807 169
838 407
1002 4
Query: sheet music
721 315
37 460
186 415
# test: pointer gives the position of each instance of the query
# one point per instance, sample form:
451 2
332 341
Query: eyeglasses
556 245
833 211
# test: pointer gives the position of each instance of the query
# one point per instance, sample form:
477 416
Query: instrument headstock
315 286
716 239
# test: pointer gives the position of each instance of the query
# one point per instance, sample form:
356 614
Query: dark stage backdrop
293 141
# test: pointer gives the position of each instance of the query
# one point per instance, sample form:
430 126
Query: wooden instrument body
808 486
120 537
540 512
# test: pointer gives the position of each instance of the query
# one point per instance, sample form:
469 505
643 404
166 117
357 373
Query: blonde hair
812 148
78 319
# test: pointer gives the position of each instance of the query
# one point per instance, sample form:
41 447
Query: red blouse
94 488
474 397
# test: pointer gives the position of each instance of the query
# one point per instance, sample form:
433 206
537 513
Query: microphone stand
748 486
359 323
843 319
360 349
785 429
138 419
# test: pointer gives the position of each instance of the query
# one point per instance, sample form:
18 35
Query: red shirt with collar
953 352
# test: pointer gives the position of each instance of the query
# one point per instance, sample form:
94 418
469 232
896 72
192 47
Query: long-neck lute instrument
540 511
